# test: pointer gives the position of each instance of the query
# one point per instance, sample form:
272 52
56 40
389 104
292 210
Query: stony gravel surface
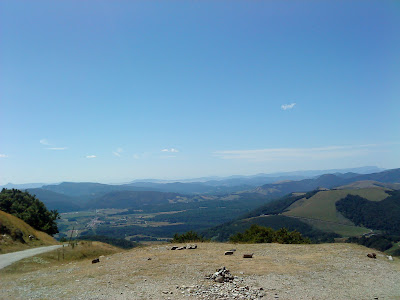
328 271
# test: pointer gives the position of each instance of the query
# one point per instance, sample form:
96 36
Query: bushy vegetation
29 209
187 237
259 234
396 252
120 243
223 232
381 242
15 233
381 215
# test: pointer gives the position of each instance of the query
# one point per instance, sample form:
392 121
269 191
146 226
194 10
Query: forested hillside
29 209
383 215
315 215
60 202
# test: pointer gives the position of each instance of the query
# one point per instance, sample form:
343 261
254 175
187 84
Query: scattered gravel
327 271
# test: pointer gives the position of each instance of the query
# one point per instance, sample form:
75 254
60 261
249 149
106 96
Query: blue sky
112 91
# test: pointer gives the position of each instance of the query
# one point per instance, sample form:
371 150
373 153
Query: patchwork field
112 218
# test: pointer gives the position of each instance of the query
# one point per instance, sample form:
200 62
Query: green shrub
396 252
17 235
189 236
258 234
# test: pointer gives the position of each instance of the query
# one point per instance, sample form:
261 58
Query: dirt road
9 258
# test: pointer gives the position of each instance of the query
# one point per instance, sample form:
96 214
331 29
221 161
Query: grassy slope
320 210
7 244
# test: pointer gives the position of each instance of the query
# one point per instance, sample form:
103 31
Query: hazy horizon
106 91
362 170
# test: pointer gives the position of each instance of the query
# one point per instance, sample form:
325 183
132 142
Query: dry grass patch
85 250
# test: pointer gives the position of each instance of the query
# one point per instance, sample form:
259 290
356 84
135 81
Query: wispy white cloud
167 156
118 152
57 148
274 154
288 106
90 156
172 150
142 155
3 155
44 142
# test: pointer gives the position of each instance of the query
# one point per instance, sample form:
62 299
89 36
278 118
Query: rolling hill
327 181
129 199
320 210
61 202
72 196
87 189
91 189
317 209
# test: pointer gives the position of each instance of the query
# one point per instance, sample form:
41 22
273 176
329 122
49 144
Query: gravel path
9 258
326 271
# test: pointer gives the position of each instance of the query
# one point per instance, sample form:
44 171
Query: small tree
259 234
189 236
30 209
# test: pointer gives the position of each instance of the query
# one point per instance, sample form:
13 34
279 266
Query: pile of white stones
228 290
222 275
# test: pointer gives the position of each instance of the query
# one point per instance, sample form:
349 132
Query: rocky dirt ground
327 271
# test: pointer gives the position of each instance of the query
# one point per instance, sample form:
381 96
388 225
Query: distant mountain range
22 186
262 178
327 181
72 196
202 184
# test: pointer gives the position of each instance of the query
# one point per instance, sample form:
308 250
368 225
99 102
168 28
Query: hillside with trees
315 215
28 208
383 215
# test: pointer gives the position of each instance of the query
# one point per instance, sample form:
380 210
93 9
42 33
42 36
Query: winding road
9 258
